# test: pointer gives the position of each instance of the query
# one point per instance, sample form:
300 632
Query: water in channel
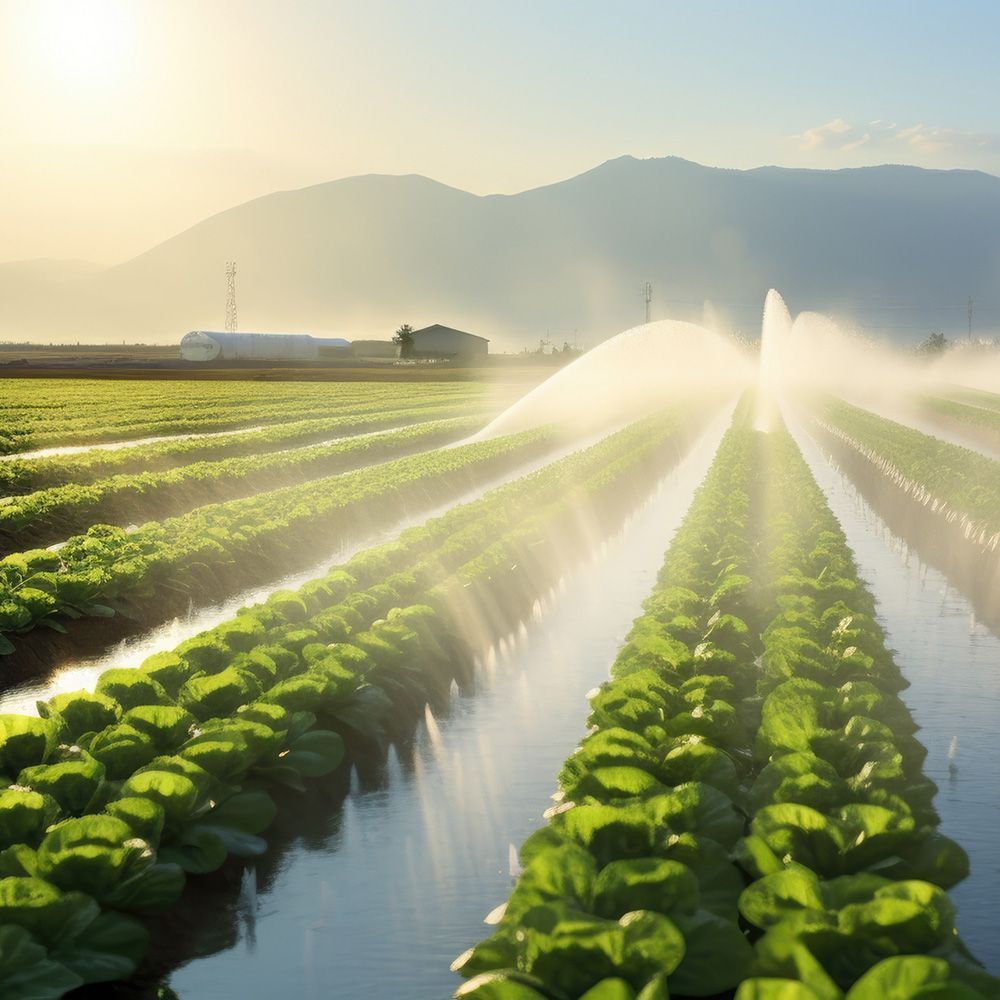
953 665
403 876
58 451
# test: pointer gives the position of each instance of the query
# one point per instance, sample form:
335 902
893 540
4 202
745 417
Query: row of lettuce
74 405
218 548
89 420
114 798
954 481
19 476
974 417
980 398
747 811
67 398
47 516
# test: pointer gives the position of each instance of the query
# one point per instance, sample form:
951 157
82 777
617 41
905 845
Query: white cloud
883 136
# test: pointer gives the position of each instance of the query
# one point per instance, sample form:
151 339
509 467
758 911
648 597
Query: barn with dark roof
439 341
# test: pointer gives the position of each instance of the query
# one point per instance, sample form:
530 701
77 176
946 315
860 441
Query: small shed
439 341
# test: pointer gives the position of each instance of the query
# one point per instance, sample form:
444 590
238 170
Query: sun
85 42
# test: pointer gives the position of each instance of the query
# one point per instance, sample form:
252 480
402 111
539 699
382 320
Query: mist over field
897 250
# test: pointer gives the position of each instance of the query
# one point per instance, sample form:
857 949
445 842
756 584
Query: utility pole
970 310
646 290
231 320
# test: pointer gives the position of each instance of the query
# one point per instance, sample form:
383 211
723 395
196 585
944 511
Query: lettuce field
302 681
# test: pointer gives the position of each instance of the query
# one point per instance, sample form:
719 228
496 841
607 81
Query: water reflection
959 548
417 859
77 449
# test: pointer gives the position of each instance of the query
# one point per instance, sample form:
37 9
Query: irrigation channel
951 662
78 449
389 887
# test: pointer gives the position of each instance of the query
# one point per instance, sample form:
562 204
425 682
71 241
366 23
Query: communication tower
646 290
231 321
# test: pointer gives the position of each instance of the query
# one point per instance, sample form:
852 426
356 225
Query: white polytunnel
211 345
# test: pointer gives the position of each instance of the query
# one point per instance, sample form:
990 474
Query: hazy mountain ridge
361 255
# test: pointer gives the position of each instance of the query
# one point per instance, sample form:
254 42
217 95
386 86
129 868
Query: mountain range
897 249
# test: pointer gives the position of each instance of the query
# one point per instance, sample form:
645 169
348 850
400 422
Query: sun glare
85 41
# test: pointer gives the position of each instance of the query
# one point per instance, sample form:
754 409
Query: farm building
439 341
210 345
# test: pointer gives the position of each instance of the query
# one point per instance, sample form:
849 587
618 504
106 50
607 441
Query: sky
123 122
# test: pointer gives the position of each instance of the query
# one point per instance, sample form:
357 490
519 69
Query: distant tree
935 344
404 338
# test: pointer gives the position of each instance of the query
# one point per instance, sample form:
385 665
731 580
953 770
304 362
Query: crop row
214 548
957 483
976 424
115 797
82 411
843 840
68 395
747 810
46 516
612 896
21 475
965 413
974 397
91 425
